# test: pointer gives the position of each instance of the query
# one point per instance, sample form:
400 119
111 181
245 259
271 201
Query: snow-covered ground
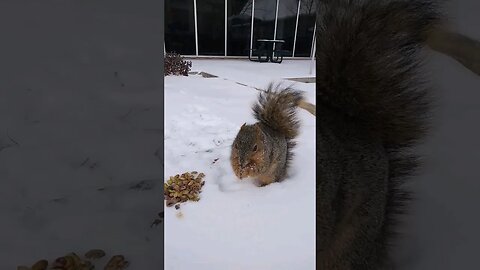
253 73
68 127
235 225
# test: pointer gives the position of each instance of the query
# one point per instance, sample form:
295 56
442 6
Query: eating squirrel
373 109
263 150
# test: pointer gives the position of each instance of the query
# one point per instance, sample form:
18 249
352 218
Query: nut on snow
184 187
117 262
40 265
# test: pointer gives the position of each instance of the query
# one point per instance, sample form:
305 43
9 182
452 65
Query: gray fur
274 133
372 110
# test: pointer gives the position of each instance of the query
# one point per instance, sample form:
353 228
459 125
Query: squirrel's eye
255 148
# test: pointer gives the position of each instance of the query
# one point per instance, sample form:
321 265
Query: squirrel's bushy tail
367 70
276 109
367 64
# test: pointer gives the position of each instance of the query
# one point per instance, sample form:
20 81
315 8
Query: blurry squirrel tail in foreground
373 109
263 150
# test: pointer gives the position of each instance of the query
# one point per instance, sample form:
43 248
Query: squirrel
263 150
373 110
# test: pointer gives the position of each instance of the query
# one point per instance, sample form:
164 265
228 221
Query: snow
235 225
62 106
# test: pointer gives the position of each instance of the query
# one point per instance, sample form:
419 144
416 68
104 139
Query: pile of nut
73 262
182 188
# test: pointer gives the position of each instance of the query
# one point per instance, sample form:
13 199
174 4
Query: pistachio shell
40 265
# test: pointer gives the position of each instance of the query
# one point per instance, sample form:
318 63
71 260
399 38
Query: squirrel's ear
244 124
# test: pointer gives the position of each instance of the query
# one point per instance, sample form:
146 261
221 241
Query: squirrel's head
248 152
